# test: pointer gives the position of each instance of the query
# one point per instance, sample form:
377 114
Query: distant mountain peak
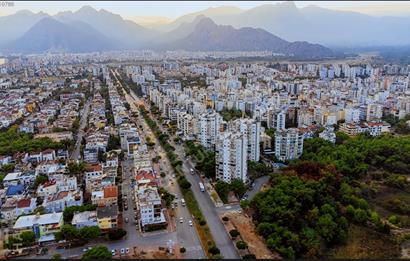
24 12
204 22
86 9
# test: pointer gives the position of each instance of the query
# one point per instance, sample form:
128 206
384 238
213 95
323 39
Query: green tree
28 238
97 252
360 215
326 227
91 232
40 179
238 187
222 188
213 250
184 183
241 245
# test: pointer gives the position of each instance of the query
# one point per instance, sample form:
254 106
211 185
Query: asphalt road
221 237
80 134
185 235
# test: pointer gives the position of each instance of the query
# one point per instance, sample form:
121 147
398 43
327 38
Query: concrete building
231 157
288 144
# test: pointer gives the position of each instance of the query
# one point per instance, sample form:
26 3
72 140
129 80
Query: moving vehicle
202 187
192 171
190 223
181 220
183 202
126 220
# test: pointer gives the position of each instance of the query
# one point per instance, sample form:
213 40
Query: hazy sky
173 9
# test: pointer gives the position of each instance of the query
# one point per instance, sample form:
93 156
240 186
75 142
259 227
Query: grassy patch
365 243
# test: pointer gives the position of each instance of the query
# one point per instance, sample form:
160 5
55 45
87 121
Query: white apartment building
352 115
288 144
149 206
186 124
328 134
209 129
252 129
374 112
231 157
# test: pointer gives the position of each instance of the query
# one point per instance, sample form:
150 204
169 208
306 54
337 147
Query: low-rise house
5 160
25 178
107 217
44 226
91 155
8 209
25 206
85 219
62 199
48 155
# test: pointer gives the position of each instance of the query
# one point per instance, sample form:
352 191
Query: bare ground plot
365 243
392 201
155 253
246 228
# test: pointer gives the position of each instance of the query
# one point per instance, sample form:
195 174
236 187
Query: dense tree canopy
305 210
355 156
12 141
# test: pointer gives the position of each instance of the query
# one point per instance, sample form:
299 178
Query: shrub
182 250
249 256
234 233
241 245
394 219
214 250
202 222
225 218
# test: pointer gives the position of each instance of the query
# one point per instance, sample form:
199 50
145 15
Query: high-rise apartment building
288 144
231 157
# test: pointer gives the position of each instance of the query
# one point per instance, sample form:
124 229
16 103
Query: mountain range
281 28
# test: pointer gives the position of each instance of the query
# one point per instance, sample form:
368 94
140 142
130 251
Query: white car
181 220
113 252
122 250
190 223
127 250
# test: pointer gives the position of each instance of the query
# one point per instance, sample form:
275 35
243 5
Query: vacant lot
365 243
246 228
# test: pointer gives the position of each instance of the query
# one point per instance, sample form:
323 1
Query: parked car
113 252
127 250
122 251
126 220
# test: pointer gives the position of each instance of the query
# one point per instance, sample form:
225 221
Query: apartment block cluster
294 99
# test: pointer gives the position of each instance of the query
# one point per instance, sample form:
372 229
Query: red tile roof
110 192
94 167
143 174
23 203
